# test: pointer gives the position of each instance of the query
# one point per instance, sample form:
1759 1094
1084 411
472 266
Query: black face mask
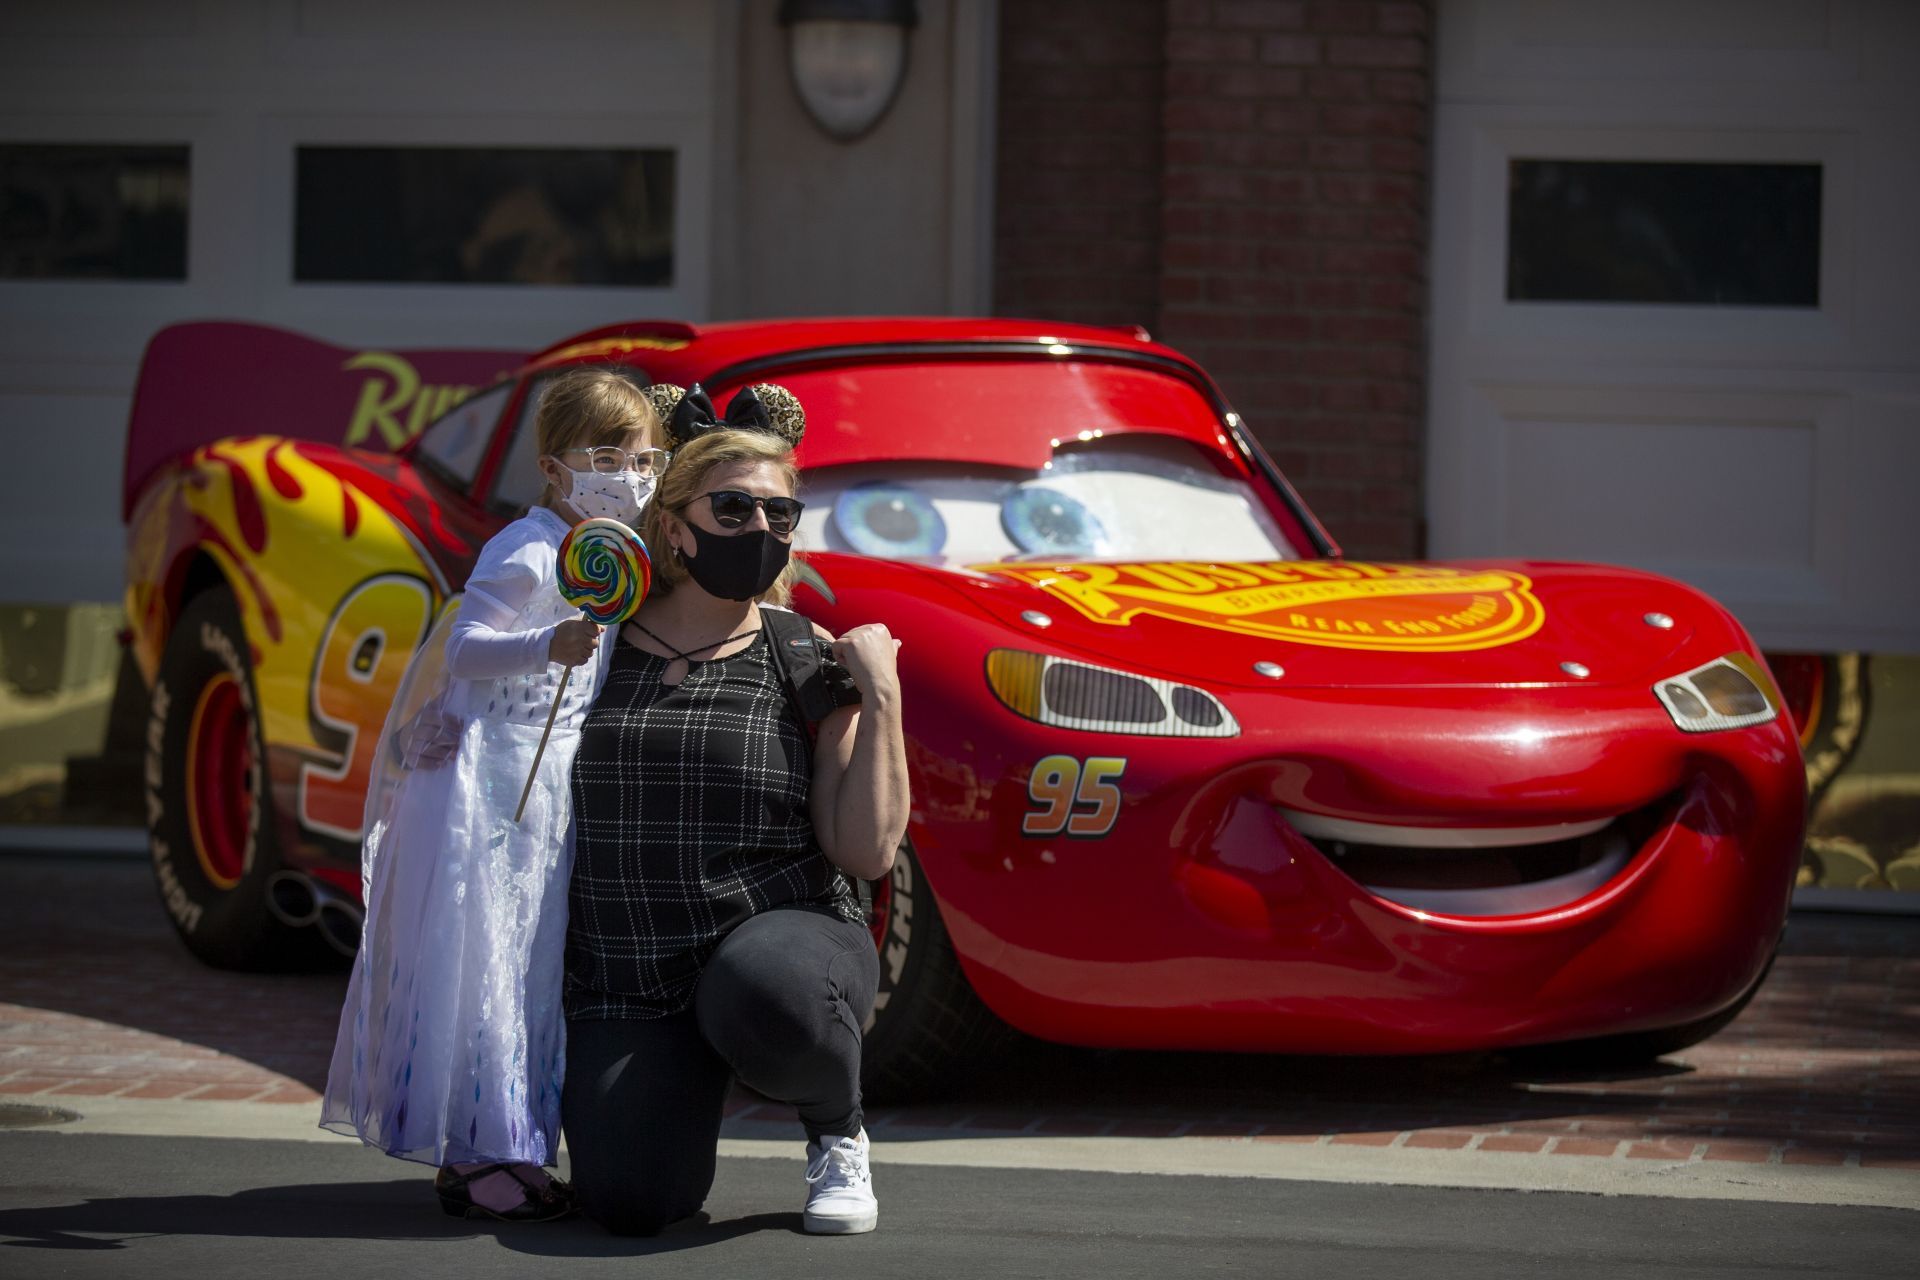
736 566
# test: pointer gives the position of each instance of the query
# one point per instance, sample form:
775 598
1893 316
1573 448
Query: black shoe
542 1203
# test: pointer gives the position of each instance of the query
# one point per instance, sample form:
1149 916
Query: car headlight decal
1727 693
1080 695
1202 710
1088 693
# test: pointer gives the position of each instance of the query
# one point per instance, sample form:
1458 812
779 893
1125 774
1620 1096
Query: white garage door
255 157
1676 300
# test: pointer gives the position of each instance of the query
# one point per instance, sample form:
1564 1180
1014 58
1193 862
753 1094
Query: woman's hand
868 653
573 642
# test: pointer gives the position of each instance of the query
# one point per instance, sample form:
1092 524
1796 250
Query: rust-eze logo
1344 604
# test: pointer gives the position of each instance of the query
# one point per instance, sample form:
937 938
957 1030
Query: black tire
212 868
1642 1048
1839 687
928 1026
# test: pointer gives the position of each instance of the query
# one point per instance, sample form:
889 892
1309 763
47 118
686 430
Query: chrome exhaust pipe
340 920
298 900
293 898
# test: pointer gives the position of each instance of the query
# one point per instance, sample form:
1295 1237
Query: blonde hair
589 406
686 480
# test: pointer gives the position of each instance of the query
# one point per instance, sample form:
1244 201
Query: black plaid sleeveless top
690 816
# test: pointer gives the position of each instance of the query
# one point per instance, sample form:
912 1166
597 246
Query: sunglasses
733 508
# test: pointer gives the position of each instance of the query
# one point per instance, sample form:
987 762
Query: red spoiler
207 380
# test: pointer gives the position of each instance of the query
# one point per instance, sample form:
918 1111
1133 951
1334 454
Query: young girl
451 1045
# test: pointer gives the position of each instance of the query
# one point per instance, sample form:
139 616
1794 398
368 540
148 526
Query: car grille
1502 880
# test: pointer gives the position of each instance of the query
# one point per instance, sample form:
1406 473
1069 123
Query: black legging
780 1004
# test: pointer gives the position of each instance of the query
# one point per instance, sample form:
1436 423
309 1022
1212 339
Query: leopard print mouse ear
665 398
783 412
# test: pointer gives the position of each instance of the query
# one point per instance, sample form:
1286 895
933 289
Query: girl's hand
428 740
868 653
573 642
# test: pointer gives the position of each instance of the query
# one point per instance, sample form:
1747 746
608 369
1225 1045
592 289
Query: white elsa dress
452 1044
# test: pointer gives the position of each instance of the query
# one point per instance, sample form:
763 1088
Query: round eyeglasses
611 459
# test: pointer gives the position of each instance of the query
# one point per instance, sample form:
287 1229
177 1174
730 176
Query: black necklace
685 656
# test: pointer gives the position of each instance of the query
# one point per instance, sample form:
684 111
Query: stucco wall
889 224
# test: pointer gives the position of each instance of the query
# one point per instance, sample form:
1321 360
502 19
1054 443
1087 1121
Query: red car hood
1350 623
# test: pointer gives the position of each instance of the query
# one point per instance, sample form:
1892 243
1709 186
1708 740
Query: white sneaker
840 1188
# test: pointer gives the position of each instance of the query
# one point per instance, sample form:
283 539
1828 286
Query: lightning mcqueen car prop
1183 777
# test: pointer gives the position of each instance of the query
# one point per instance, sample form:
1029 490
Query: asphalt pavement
82 1205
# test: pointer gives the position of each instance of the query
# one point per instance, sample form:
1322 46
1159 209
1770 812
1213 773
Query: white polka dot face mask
619 495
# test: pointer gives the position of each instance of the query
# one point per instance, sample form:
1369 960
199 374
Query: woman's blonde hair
590 406
686 480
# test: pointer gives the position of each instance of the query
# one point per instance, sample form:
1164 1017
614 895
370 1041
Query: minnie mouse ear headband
760 407
665 398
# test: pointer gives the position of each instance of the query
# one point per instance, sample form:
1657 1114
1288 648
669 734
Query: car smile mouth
1478 871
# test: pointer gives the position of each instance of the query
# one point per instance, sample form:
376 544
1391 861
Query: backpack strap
796 656
815 686
801 664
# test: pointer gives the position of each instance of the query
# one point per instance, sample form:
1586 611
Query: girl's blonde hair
589 406
686 480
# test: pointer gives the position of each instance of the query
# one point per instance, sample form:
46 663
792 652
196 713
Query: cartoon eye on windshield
885 519
1044 521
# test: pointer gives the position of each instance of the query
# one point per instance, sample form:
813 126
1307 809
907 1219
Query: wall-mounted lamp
848 58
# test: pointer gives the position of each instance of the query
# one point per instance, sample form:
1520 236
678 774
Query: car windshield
1130 497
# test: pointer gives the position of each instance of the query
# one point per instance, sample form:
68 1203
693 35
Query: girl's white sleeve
480 646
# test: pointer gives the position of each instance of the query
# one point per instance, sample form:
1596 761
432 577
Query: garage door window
483 215
93 212
1685 234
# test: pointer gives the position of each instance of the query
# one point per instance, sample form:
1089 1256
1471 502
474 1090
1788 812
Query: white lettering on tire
180 905
185 911
899 937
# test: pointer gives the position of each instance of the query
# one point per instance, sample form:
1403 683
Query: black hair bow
693 417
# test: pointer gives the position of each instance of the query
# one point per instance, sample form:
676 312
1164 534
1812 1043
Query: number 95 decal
1081 800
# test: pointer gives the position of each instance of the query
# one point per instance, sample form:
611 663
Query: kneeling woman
713 928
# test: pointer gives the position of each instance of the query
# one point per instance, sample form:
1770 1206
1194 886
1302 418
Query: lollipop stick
542 748
604 572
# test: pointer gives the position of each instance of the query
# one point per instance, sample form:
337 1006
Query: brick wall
1077 217
1291 203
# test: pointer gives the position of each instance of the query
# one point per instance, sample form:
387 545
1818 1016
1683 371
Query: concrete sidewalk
1812 1095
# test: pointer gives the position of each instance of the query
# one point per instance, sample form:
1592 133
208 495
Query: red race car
1183 777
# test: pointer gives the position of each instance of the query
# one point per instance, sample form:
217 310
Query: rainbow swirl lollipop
604 570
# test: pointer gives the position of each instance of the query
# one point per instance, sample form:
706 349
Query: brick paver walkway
1822 1069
